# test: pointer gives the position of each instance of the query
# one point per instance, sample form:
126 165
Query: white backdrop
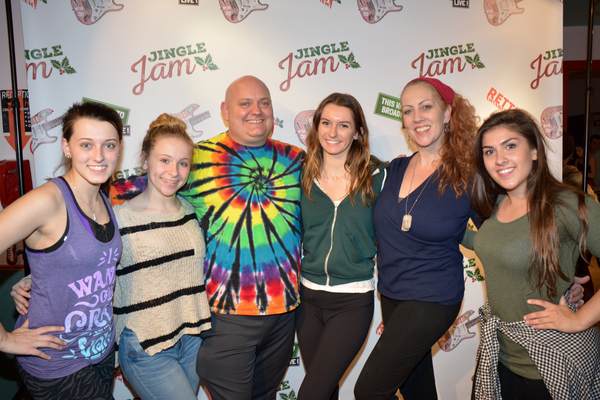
178 56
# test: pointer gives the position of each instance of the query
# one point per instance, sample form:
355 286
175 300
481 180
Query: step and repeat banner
147 57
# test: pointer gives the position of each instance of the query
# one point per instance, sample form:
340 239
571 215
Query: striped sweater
159 292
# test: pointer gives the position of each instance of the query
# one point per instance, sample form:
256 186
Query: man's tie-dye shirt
247 200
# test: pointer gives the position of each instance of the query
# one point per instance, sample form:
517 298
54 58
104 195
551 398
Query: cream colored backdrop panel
149 57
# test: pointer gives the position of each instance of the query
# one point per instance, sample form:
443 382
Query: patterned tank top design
72 286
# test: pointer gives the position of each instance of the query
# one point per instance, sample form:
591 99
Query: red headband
444 90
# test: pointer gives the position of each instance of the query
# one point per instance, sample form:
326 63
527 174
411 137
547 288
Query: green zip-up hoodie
339 242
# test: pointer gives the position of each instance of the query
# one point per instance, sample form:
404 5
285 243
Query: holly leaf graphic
470 274
469 60
284 396
55 64
207 62
343 59
292 396
64 63
476 58
354 65
478 275
479 65
70 70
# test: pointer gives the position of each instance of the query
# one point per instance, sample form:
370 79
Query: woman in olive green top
536 228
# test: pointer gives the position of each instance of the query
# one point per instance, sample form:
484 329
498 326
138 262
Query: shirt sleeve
569 218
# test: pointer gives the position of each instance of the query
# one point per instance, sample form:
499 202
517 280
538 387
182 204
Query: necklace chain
88 204
407 219
334 178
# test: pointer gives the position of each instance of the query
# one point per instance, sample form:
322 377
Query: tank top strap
70 202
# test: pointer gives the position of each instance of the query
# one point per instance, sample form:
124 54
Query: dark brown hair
94 111
358 159
543 196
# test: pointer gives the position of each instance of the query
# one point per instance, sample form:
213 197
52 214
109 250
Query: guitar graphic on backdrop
237 10
303 123
187 116
40 128
460 331
552 122
497 11
373 10
90 11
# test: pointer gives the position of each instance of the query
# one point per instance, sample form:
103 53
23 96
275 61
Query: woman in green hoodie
340 183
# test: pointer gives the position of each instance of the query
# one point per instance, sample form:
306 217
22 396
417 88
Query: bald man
245 188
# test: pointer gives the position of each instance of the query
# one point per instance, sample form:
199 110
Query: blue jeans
160 376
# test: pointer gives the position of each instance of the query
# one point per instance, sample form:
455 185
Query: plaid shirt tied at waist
568 363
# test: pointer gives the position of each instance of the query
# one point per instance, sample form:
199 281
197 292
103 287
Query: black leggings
401 358
516 387
332 328
93 382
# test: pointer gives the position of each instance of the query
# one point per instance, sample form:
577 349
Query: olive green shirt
504 250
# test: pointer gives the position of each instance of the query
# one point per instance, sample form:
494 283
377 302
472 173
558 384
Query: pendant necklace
334 178
88 204
407 219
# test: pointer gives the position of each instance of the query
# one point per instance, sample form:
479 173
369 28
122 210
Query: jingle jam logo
56 58
373 11
322 56
552 122
182 59
234 12
497 11
444 60
499 100
549 68
89 12
472 270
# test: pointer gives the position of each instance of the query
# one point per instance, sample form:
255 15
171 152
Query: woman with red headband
420 219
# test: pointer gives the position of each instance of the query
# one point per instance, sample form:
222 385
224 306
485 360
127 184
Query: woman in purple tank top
73 245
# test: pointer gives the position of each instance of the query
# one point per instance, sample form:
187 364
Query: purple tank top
72 286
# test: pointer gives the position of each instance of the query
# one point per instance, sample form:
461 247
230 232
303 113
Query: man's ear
225 111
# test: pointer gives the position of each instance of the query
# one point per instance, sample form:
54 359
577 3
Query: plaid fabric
568 363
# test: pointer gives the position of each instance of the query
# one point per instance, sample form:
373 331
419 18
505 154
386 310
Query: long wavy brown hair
358 160
543 196
455 168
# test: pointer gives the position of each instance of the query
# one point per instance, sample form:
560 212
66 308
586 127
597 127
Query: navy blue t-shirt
424 263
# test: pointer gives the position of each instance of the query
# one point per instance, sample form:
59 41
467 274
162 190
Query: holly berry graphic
475 61
349 61
206 63
63 66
